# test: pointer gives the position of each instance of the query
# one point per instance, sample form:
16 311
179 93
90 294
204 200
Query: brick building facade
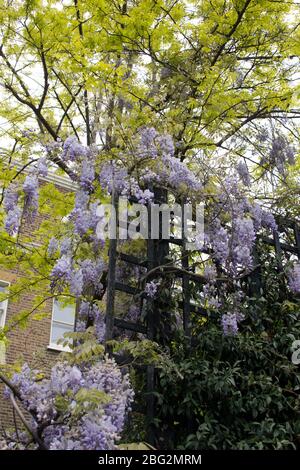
35 344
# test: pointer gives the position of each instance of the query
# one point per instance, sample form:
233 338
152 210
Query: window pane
3 303
3 288
64 314
58 331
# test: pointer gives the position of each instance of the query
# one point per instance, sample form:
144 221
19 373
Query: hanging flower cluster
82 276
278 152
90 313
294 278
231 227
78 407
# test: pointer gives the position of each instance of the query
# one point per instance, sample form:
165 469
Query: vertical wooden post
150 334
185 279
111 275
297 238
278 250
255 276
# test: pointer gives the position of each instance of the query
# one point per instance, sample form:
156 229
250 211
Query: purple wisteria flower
84 215
81 201
100 328
52 246
143 196
66 247
262 218
42 167
147 147
61 272
87 175
268 220
30 188
220 244
90 311
113 177
80 326
294 278
229 324
151 289
11 197
28 133
210 273
166 144
76 282
73 149
178 174
210 295
133 313
281 153
53 147
13 220
96 427
92 272
243 241
243 173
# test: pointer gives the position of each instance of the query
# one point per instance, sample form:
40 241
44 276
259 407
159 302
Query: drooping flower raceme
112 176
179 175
66 247
262 218
84 215
243 172
92 271
294 278
166 144
11 197
281 153
66 420
220 244
52 246
229 324
87 174
210 273
61 273
151 289
90 313
76 282
13 220
42 167
147 147
243 241
30 188
73 149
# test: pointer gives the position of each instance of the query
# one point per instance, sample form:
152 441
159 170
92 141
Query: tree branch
30 430
231 32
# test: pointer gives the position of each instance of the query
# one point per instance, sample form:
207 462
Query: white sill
58 348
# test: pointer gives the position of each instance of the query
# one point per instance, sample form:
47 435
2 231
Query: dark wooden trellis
284 242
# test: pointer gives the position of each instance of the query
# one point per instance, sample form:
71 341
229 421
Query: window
63 321
3 303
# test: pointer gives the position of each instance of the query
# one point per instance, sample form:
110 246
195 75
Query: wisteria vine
232 225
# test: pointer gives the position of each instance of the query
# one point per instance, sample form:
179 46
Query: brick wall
26 345
30 344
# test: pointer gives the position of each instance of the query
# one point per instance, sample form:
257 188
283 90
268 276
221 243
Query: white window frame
4 303
55 346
